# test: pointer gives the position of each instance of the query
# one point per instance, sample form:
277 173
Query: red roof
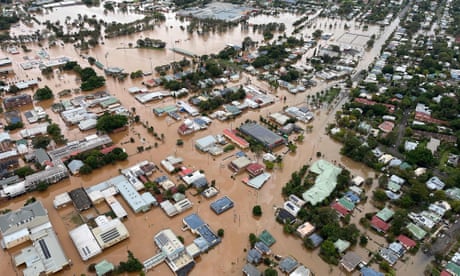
185 171
255 168
428 119
391 108
240 142
340 209
406 241
386 126
379 224
108 149
445 273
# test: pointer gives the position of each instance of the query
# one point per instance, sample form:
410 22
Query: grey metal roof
22 215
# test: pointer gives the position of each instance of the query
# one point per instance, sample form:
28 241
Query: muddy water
238 222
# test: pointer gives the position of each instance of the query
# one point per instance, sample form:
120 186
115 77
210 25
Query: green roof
393 186
341 245
104 267
267 238
416 231
385 214
453 193
325 182
405 166
454 268
347 204
109 101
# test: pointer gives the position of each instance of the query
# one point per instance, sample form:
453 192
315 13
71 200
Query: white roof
61 199
258 181
85 242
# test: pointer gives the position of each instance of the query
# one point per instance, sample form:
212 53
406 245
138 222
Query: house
385 214
267 238
342 245
341 210
205 143
250 270
301 270
283 216
358 180
263 248
350 261
258 181
368 271
254 169
305 229
388 255
379 225
239 164
254 256
288 264
417 232
407 242
434 183
221 205
397 248
315 240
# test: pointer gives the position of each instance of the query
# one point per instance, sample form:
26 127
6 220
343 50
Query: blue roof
316 239
202 244
200 182
221 205
254 256
367 271
206 233
193 221
262 247
161 179
288 264
352 197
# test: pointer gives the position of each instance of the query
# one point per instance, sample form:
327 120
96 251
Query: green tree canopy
109 122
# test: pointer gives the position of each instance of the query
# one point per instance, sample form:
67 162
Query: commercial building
31 223
17 101
174 251
88 143
109 232
262 135
198 227
325 182
132 197
85 242
80 199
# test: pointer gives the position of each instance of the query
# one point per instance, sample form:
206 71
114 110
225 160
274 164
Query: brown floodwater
228 257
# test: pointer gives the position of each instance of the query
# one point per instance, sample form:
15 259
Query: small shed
75 166
104 267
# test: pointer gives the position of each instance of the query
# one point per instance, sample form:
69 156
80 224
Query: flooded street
228 257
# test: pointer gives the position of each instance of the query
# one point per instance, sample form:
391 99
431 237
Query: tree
109 122
41 142
362 240
270 272
44 93
379 195
420 156
252 239
257 211
220 232
132 265
317 34
24 171
328 248
42 186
